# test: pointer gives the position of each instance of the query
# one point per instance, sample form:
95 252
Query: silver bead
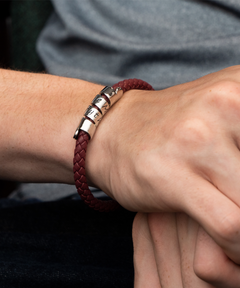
93 114
111 94
101 103
118 94
87 126
108 91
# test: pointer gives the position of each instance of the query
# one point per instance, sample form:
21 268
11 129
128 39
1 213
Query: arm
38 116
171 150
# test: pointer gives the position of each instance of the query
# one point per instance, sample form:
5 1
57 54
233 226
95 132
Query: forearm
38 116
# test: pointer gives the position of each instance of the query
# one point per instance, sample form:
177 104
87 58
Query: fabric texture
27 20
164 42
64 244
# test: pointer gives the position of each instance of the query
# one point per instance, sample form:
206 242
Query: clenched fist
176 150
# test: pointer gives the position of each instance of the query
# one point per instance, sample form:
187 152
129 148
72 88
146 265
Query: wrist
85 131
78 97
107 141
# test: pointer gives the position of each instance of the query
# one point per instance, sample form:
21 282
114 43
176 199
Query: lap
65 244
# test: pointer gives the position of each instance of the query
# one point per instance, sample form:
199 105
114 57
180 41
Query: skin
179 154
174 150
39 114
172 250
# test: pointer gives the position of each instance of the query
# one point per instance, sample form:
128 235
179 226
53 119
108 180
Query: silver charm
111 94
96 115
87 126
93 114
101 103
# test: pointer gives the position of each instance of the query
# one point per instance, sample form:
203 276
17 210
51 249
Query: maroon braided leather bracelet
101 103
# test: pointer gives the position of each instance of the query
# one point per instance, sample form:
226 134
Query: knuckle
225 86
224 94
192 133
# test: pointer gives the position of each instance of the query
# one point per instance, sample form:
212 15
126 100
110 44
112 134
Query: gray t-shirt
164 42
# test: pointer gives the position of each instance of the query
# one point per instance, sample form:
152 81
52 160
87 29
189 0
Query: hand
171 250
176 150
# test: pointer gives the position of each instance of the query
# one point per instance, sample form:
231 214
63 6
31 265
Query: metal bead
93 114
87 126
118 94
108 91
101 103
111 94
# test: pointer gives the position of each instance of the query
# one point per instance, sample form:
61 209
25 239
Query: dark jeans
64 244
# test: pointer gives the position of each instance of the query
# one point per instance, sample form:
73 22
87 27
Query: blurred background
5 23
6 187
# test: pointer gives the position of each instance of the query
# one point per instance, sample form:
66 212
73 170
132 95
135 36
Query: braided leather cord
80 154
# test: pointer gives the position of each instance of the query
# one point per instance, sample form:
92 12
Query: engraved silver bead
101 103
111 94
93 114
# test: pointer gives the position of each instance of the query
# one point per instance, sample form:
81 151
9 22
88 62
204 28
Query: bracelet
85 131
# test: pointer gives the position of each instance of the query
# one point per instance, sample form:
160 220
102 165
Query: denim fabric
64 244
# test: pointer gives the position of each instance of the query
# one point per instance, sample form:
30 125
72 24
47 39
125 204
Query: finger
223 169
145 268
187 230
225 176
211 263
218 215
163 230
